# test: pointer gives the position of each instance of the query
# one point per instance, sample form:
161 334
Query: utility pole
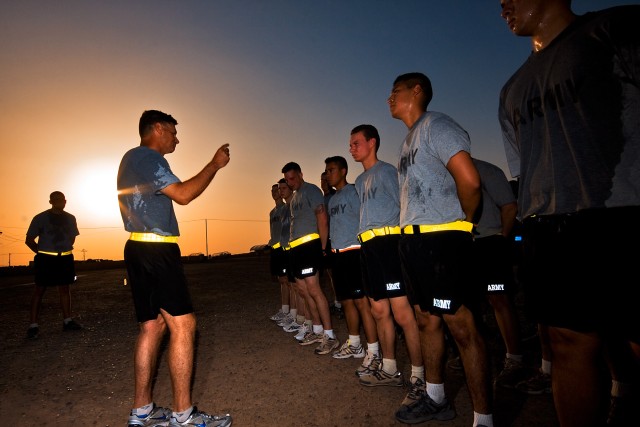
84 256
206 238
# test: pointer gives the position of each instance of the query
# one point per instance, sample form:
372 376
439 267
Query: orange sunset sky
280 81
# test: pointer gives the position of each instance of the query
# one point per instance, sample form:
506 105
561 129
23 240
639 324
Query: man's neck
369 163
554 23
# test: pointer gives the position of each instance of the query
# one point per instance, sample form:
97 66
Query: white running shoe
302 332
347 350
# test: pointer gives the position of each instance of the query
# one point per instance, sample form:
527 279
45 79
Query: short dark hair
150 118
282 181
369 131
339 160
413 79
291 166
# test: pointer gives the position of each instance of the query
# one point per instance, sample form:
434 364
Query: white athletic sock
182 416
482 419
516 357
436 392
373 347
389 366
354 340
143 410
417 371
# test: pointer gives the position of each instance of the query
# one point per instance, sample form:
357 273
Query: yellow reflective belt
276 246
383 231
56 253
456 225
152 237
304 239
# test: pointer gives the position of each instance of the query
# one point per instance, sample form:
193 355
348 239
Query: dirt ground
245 364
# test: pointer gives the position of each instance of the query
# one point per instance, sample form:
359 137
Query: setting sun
93 194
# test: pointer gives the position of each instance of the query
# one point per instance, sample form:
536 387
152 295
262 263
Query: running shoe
202 419
158 417
278 316
347 350
292 327
71 325
327 345
286 320
371 362
455 363
538 384
312 338
512 374
425 409
302 333
417 390
379 378
33 332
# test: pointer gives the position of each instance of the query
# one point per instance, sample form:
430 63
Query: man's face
168 140
359 147
522 16
275 192
334 175
401 100
284 190
58 201
294 179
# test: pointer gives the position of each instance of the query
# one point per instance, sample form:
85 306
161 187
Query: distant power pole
84 256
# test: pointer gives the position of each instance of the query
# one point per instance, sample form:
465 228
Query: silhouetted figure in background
56 231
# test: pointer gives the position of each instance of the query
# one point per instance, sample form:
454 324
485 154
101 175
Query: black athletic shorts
54 270
347 275
305 260
579 270
381 273
493 265
436 267
157 279
278 262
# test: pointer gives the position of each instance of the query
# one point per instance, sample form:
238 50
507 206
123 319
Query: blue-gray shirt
303 207
428 192
142 174
344 210
377 188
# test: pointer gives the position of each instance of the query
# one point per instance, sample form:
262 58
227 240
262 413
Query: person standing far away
379 234
493 260
276 254
439 195
569 119
308 240
56 231
344 213
147 189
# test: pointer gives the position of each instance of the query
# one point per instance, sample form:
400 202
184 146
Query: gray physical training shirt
496 192
142 174
344 210
303 210
377 188
428 193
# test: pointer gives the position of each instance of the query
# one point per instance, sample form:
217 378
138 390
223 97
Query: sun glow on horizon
94 196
